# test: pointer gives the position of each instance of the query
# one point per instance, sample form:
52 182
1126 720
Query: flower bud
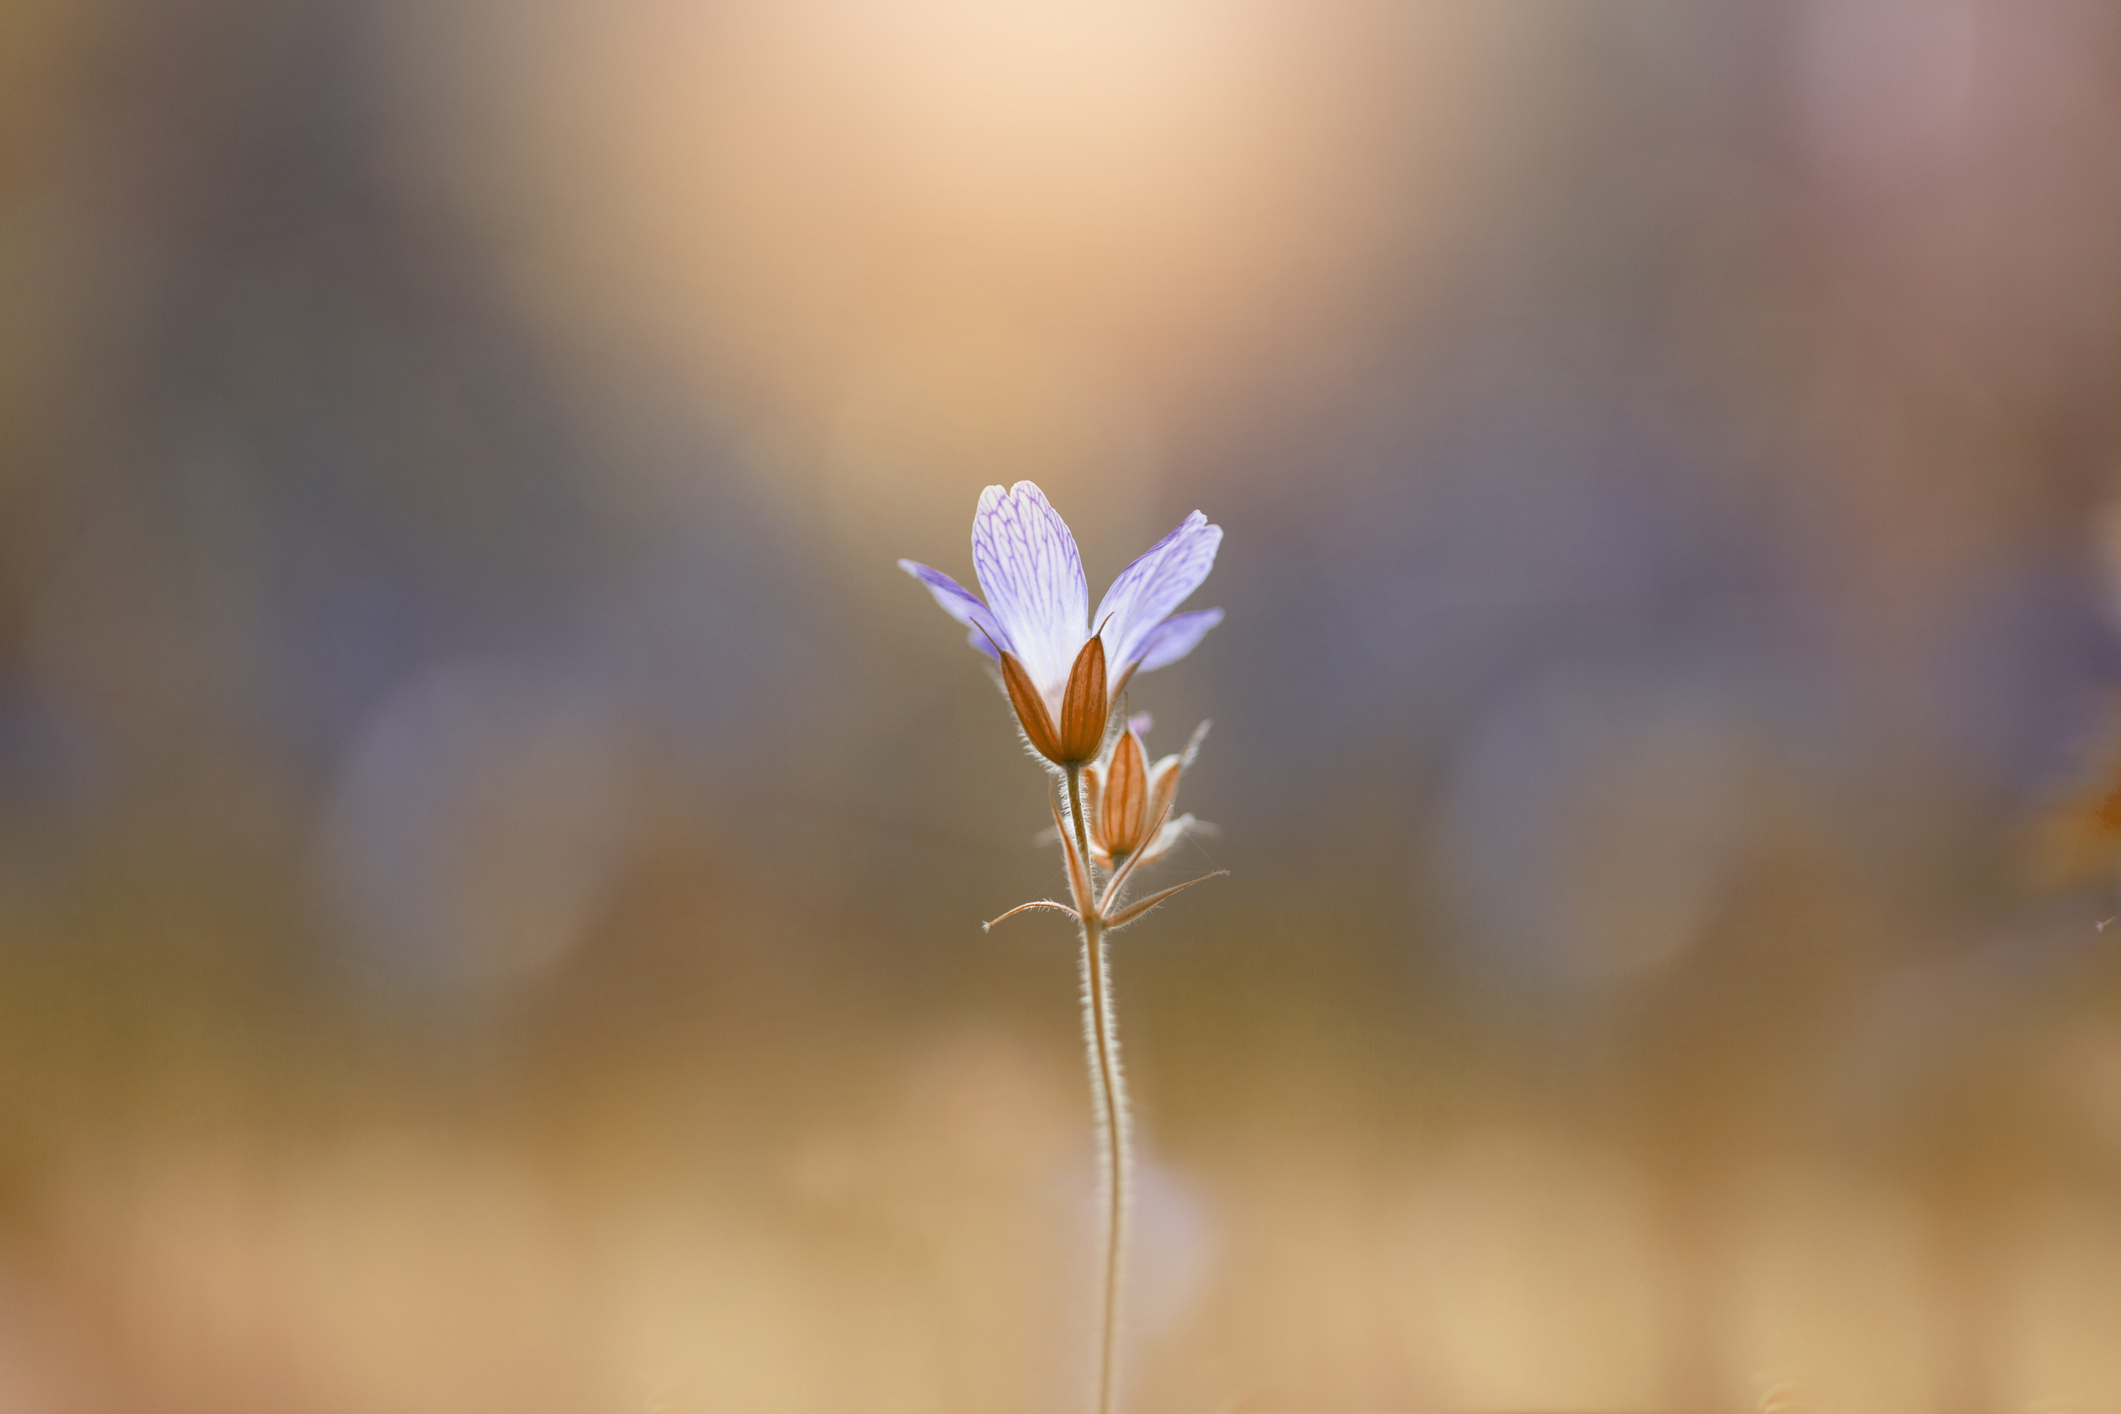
1123 817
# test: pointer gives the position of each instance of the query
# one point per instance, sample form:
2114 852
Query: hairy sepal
1031 711
1135 910
1085 707
1035 903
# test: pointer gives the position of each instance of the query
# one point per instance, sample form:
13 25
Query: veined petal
961 604
1033 578
1149 589
1174 638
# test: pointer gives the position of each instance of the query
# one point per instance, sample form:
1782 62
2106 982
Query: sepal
1030 707
1035 903
1135 910
1084 707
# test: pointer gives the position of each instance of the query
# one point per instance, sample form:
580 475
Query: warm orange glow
918 240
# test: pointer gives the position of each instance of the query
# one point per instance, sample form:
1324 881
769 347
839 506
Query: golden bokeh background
491 850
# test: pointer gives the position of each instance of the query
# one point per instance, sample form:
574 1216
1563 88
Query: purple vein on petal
1149 589
1028 566
961 604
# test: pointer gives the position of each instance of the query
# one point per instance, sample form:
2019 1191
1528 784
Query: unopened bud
1124 808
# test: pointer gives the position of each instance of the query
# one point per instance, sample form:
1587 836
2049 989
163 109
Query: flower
1130 801
1062 676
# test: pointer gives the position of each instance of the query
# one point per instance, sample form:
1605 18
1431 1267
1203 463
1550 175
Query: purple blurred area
491 848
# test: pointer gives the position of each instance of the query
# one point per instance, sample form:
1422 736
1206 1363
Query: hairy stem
1109 1091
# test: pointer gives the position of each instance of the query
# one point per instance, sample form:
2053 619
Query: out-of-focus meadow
491 850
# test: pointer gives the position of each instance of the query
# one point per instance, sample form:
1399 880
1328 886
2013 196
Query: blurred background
491 850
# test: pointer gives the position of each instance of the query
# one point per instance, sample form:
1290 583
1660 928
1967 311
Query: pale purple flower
1035 620
1065 671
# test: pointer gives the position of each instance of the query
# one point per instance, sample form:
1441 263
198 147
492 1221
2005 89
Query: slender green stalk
1109 1090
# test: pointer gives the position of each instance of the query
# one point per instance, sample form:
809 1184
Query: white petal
1149 589
958 602
1033 578
1174 638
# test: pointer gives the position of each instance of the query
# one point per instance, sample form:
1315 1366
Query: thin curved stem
1100 1032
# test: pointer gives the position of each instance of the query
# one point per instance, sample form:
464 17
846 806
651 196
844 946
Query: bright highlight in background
925 243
